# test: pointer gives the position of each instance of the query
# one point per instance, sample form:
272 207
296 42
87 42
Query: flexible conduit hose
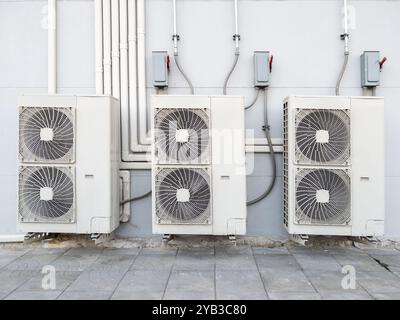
135 198
346 60
183 73
235 62
267 132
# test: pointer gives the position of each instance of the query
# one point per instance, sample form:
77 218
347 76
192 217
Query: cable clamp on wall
176 36
236 36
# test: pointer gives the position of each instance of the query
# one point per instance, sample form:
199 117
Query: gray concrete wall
302 35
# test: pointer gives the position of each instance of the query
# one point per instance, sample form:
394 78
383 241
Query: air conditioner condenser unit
334 165
199 175
69 155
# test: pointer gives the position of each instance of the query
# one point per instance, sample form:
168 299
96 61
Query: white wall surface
303 36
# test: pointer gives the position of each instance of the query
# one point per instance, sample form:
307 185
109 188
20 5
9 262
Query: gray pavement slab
184 285
301 295
359 262
379 282
34 295
276 280
62 280
93 280
271 251
12 279
239 285
317 261
85 295
277 262
345 295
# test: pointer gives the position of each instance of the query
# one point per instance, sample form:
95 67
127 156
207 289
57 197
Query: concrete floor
230 273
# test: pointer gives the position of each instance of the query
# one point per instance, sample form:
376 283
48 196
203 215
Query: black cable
267 132
136 198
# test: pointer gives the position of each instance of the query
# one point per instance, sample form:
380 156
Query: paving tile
390 260
4 294
235 262
325 262
382 251
277 262
327 280
268 251
121 251
345 251
379 282
159 251
12 279
153 262
285 281
34 295
142 285
307 250
239 285
345 295
184 285
112 263
195 259
200 251
387 296
294 296
7 259
32 261
85 295
97 280
359 262
63 280
14 251
76 259
233 250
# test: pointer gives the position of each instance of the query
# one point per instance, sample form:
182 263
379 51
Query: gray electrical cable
136 198
267 131
183 74
231 71
346 59
254 101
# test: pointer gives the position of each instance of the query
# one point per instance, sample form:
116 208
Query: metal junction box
261 69
370 69
160 69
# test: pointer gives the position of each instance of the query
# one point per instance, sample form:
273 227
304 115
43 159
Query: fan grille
192 183
182 135
46 194
323 197
46 134
322 136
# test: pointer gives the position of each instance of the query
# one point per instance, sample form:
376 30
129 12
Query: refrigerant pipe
345 36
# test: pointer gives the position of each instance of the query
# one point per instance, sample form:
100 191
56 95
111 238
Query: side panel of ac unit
368 149
94 170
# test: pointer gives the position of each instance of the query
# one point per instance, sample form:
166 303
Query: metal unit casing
94 168
221 172
360 174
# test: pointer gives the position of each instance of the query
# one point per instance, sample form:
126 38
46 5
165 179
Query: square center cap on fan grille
182 135
46 134
46 194
322 136
183 195
322 196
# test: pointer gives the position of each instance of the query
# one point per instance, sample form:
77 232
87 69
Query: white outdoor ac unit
334 165
69 153
199 175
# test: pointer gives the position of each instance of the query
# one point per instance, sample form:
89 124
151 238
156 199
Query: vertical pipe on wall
115 55
98 16
52 47
107 47
141 70
345 37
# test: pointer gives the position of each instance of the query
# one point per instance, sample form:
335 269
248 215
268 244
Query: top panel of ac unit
182 130
47 130
321 130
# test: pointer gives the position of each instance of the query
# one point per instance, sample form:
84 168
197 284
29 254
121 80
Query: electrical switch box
160 69
370 69
261 69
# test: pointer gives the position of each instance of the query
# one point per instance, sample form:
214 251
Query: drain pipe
236 38
52 47
107 47
98 19
176 38
345 36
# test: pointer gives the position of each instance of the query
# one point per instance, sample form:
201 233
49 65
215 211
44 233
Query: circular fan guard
59 122
335 211
336 123
169 122
33 208
194 211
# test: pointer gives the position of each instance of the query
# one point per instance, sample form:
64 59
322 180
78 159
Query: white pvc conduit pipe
107 47
115 58
345 36
52 47
98 29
